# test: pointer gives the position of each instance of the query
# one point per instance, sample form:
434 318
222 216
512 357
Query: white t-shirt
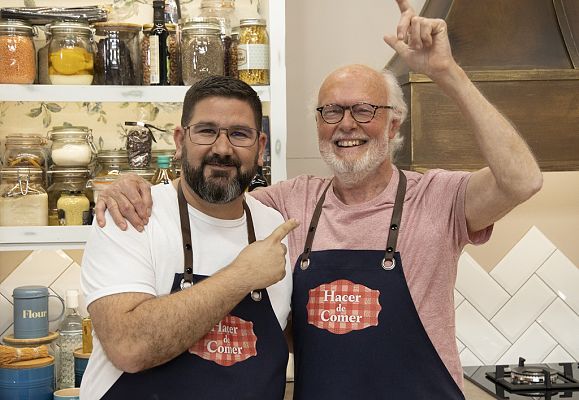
118 261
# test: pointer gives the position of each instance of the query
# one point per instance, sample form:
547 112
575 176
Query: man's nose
348 122
222 145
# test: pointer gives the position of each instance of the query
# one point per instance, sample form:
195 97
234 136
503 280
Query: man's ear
394 127
178 137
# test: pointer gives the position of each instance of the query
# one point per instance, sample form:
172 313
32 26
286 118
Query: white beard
353 171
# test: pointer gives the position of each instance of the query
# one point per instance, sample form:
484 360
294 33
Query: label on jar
154 59
252 56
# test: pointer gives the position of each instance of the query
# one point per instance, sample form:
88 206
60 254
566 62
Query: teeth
349 143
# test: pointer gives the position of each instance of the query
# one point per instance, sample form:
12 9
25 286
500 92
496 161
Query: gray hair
400 110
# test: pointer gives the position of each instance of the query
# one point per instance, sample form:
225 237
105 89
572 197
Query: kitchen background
516 295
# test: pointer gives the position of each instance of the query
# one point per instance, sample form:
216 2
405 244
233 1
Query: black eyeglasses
207 134
361 112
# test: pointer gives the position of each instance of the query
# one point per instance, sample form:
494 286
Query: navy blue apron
357 334
189 376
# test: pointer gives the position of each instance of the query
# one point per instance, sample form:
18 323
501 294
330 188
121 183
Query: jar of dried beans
70 54
17 53
253 52
174 68
202 51
118 55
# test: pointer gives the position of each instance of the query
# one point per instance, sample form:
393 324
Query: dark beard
218 188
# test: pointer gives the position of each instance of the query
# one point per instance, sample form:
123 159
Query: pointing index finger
283 230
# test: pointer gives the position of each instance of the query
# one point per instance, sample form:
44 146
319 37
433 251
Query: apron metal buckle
304 264
388 264
256 295
184 284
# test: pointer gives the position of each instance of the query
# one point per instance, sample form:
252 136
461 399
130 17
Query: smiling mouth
349 143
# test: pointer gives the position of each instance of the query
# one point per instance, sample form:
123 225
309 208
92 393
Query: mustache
216 159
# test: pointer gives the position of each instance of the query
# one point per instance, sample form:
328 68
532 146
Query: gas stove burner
526 375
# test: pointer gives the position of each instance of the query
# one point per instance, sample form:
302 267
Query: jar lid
217 4
29 292
202 27
252 21
109 155
69 27
30 364
25 139
104 27
15 25
62 172
145 173
21 171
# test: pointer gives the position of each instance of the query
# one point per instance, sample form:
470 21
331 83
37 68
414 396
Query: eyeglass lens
207 134
334 113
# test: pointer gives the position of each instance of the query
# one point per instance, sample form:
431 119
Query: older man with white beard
376 254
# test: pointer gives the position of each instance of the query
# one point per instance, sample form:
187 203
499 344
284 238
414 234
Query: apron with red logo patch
357 334
243 357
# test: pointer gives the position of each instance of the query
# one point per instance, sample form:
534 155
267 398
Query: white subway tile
563 324
6 313
70 279
459 345
534 345
458 298
563 277
558 355
468 359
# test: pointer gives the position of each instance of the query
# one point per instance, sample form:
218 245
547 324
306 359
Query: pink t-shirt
432 234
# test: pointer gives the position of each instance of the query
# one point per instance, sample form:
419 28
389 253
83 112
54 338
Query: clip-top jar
111 162
253 52
17 53
72 146
25 151
202 51
23 200
65 180
70 54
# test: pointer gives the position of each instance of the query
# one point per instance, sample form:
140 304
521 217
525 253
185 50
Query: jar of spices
70 54
173 47
203 53
73 208
23 200
17 53
64 180
25 151
253 52
111 162
72 146
118 54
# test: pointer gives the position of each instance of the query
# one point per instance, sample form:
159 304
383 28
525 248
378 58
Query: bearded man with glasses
375 259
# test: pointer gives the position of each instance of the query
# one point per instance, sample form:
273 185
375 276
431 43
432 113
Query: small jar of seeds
253 52
17 53
202 51
174 69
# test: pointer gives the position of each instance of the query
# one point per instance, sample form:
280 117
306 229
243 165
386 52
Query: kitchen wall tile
483 339
523 260
55 311
523 308
534 345
6 313
9 331
458 298
70 279
563 324
460 346
482 291
558 355
41 267
563 277
467 358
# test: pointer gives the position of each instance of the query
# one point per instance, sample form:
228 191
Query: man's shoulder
434 177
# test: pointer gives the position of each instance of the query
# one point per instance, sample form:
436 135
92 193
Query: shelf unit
55 237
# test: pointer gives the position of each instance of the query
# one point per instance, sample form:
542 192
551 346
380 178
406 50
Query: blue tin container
28 380
80 363
31 311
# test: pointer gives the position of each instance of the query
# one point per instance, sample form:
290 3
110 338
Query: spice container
23 200
17 53
70 54
73 208
25 151
65 180
111 162
174 68
72 146
253 52
118 57
202 51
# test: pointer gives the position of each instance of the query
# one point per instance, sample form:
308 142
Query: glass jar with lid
253 52
70 54
202 51
145 173
73 208
65 180
23 199
100 183
173 48
17 52
72 146
24 150
111 162
118 54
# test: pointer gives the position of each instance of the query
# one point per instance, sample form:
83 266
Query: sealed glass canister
72 146
253 52
23 200
25 151
73 208
65 180
70 54
17 53
111 162
118 54
202 51
173 48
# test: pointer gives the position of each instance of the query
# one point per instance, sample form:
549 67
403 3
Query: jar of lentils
202 51
253 52
17 53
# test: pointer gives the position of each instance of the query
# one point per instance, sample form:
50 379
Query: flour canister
31 380
31 311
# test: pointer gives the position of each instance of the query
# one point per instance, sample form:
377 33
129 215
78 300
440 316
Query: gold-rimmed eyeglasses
207 134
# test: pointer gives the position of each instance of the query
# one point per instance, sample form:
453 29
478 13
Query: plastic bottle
164 173
69 340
